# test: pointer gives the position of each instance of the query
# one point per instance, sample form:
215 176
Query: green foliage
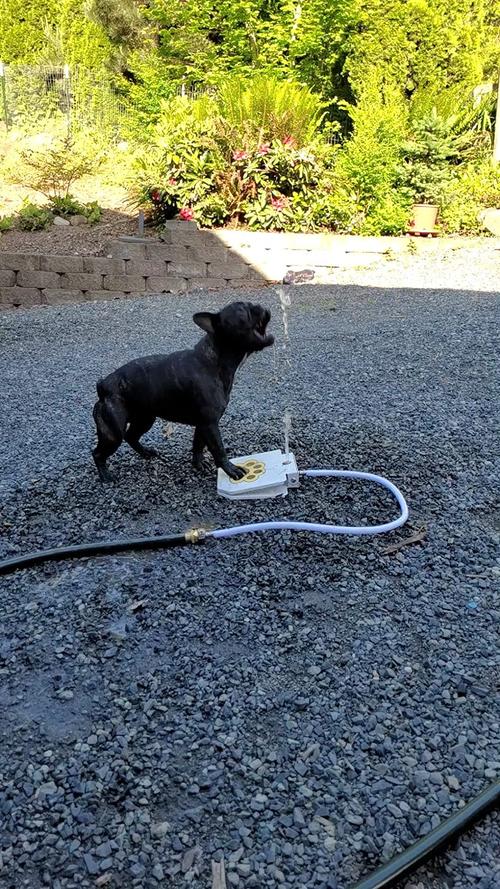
45 32
151 87
363 198
53 170
436 145
424 46
68 206
474 187
7 223
32 218
395 78
92 212
179 165
225 171
121 21
264 108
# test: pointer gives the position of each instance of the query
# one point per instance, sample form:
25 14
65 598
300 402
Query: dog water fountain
269 474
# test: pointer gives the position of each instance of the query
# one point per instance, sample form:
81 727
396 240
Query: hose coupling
195 535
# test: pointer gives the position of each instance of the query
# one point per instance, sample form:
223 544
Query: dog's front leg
213 440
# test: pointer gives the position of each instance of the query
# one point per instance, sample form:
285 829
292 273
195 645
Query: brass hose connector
195 535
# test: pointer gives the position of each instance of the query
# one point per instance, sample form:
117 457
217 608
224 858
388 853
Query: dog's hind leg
110 417
199 446
138 427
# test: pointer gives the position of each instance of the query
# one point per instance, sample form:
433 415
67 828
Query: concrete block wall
184 259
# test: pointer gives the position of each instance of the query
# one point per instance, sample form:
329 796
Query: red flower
264 149
240 155
289 141
186 213
171 181
279 203
155 195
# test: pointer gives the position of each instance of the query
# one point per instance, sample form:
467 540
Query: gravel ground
304 707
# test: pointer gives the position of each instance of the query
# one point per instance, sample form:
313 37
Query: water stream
284 359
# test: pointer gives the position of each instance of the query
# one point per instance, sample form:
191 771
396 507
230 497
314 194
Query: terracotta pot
423 221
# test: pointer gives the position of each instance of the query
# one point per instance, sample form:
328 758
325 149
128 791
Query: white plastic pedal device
268 474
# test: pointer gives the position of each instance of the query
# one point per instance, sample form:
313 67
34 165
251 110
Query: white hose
353 531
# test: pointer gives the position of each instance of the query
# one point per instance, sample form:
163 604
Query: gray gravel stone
263 683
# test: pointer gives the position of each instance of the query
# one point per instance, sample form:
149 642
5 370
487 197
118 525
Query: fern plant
264 108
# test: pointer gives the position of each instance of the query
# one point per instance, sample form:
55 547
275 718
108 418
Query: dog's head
240 325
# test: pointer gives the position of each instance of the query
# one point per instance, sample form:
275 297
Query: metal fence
31 97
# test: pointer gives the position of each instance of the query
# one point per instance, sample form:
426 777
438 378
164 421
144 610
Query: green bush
193 165
69 206
7 223
363 198
473 188
211 159
54 169
32 218
428 155
263 108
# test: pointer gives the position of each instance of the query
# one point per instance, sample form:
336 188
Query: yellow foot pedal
269 474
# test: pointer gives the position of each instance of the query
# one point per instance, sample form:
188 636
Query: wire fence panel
32 97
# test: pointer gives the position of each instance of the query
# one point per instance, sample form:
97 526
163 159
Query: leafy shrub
266 186
66 206
92 211
69 206
263 109
179 166
54 169
473 188
362 188
6 223
32 218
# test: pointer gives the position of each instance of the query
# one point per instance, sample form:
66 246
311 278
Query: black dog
191 387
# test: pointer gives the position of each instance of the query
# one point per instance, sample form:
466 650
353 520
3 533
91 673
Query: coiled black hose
102 548
411 859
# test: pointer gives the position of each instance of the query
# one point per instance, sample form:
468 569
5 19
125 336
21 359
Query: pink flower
155 195
279 203
289 141
171 181
240 155
186 213
264 149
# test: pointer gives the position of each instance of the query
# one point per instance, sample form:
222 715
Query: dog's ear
206 320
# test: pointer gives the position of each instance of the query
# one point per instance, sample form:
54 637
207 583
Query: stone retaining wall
184 259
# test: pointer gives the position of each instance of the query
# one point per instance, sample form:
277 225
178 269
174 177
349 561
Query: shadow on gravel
302 706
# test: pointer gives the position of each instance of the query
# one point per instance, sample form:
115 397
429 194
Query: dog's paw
106 477
234 472
150 453
201 464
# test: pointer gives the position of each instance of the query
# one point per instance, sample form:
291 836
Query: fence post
4 96
67 90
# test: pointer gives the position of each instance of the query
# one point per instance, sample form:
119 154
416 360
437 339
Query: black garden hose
411 859
102 548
